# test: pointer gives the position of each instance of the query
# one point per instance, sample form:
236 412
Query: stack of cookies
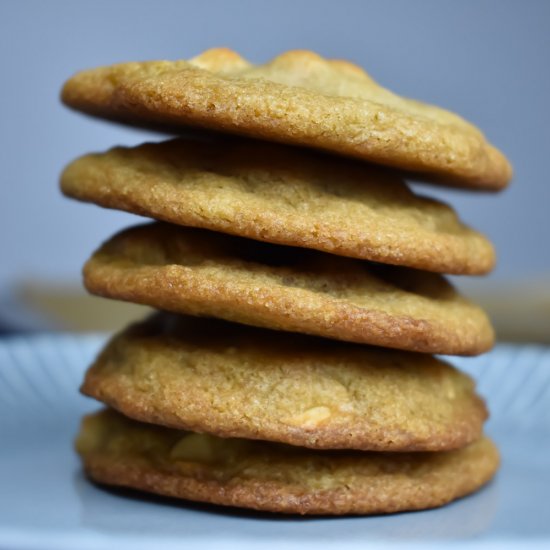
299 284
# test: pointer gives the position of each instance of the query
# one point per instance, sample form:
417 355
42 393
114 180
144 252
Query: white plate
45 502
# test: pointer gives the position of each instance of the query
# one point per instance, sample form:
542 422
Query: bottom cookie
276 477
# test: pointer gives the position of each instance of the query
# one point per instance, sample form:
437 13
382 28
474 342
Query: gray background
487 60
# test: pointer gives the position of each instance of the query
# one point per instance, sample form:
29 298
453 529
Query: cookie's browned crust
282 195
204 273
298 98
277 478
235 381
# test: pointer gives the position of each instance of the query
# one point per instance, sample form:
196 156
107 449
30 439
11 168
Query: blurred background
485 59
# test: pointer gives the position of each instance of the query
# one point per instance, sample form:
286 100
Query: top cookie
298 98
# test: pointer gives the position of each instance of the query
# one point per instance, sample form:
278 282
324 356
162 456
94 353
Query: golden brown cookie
205 273
282 195
275 477
298 98
235 381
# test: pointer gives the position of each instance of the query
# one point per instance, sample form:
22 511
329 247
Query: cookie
298 98
282 195
200 272
231 380
275 477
